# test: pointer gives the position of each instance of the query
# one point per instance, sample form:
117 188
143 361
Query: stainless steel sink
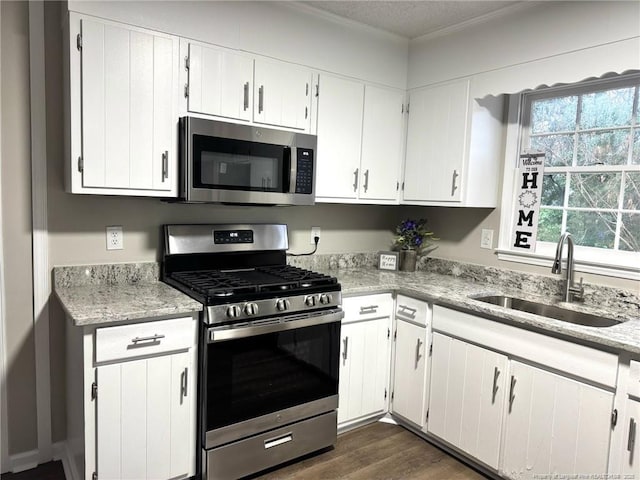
543 310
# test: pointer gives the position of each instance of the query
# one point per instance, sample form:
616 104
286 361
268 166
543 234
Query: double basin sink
549 311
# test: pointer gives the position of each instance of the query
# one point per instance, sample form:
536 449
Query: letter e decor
527 204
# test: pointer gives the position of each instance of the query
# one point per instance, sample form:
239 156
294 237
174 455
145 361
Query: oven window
240 165
253 376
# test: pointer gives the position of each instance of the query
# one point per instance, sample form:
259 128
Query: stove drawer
124 342
256 453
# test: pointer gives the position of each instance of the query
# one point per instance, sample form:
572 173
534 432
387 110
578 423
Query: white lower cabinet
142 418
133 388
630 467
467 397
364 358
555 425
411 356
522 403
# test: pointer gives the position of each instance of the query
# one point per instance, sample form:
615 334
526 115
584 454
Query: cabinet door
144 422
467 397
282 95
364 369
436 143
128 126
410 372
220 82
382 141
340 106
555 425
631 455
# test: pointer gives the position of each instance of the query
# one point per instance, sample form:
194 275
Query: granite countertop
447 290
102 294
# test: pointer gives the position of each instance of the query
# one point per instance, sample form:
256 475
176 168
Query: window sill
581 265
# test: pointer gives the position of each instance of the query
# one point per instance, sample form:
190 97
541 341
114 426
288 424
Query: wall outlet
486 239
115 238
315 232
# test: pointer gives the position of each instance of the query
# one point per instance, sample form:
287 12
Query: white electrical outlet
315 232
115 238
486 240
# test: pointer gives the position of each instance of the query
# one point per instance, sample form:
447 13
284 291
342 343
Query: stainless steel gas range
269 346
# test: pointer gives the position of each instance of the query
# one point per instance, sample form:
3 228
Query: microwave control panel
304 171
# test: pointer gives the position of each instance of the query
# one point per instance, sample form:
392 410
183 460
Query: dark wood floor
379 451
46 471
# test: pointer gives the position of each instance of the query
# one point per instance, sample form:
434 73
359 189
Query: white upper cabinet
360 141
340 107
220 82
382 143
122 95
282 95
453 147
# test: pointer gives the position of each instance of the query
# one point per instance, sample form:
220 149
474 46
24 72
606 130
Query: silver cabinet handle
345 343
418 352
306 112
261 99
246 96
454 187
512 394
408 311
366 180
183 383
165 165
631 441
496 374
368 309
153 338
355 179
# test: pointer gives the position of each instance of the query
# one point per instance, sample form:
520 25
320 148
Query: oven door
267 374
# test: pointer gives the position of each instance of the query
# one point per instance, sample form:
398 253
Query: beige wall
77 223
16 218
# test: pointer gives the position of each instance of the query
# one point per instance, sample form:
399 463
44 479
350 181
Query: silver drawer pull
631 441
410 312
369 309
153 338
274 442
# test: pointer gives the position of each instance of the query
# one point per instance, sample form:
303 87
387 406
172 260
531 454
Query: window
590 134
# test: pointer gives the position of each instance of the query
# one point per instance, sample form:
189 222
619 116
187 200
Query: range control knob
251 308
310 301
325 298
233 311
282 304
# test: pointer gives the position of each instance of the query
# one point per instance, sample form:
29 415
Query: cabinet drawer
411 309
140 339
366 307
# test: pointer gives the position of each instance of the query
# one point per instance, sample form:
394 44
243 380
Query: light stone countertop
450 291
98 304
102 294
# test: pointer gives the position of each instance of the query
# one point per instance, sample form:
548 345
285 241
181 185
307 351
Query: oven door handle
220 334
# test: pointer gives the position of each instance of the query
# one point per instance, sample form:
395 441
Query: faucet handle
577 291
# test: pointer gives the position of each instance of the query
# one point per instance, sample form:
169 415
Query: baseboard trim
24 461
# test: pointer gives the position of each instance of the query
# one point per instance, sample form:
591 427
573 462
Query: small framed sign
388 260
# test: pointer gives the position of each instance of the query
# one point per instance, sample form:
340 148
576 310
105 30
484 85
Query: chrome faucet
571 291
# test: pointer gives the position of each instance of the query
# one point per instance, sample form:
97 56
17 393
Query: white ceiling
409 19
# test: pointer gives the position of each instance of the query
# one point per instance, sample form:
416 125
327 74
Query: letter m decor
527 200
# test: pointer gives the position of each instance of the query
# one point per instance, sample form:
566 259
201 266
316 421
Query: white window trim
587 260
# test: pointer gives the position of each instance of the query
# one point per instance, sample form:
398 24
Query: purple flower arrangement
413 235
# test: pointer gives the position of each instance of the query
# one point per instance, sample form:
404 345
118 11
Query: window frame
615 263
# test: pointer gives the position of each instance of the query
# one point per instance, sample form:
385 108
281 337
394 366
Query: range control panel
221 237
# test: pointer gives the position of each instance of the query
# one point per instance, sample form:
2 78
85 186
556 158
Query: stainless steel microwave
230 163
